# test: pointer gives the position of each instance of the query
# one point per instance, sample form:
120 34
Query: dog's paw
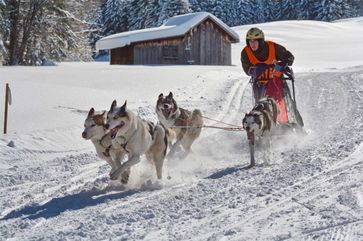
152 185
251 165
125 177
112 177
115 174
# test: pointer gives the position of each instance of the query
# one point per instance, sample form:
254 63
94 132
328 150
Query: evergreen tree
220 12
235 13
351 8
152 14
247 13
195 6
305 9
208 5
276 11
114 17
95 23
170 8
259 11
288 9
329 10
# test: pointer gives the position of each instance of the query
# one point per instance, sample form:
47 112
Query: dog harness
107 146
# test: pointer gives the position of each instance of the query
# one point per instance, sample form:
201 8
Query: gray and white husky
94 130
259 122
136 137
186 124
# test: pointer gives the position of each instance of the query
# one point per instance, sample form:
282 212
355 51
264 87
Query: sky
54 187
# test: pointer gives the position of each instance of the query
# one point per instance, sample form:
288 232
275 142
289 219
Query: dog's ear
103 114
99 119
161 96
170 95
91 112
123 107
113 105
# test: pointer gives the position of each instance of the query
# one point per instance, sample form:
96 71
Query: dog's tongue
250 135
167 112
114 132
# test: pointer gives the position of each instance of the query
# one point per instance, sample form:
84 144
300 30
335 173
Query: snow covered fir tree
33 31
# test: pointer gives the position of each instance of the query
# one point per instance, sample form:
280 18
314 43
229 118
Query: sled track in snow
330 148
306 195
231 112
77 171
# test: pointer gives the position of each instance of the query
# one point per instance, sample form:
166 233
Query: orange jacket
271 59
267 52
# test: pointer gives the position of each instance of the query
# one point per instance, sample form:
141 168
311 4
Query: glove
252 71
280 66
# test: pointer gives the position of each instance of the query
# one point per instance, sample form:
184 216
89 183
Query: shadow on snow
76 201
227 171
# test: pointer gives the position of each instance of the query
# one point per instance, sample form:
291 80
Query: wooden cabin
196 38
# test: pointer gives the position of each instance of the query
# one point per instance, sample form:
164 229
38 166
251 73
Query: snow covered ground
53 186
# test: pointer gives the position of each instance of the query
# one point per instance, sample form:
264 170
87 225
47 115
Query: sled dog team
120 133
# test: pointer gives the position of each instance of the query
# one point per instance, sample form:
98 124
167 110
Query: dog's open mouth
167 112
115 129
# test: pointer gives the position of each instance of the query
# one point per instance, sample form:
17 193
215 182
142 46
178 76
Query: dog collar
122 139
103 140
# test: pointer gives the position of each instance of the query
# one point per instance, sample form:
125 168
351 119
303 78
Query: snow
175 26
54 187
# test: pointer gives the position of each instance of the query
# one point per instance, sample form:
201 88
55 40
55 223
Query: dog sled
279 83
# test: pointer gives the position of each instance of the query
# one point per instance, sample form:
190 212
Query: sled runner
277 82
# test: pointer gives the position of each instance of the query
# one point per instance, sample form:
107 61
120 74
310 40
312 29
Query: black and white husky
136 137
186 124
258 123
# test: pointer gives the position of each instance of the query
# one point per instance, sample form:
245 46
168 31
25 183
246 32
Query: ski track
302 204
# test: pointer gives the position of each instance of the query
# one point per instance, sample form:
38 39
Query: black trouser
259 91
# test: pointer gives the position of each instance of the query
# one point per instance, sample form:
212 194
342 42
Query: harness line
231 128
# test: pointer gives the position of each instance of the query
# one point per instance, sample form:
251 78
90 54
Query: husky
259 122
95 131
136 137
187 125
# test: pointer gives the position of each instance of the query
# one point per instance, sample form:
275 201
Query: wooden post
7 89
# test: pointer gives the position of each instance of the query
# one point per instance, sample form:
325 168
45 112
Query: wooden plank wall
122 55
209 45
214 45
151 52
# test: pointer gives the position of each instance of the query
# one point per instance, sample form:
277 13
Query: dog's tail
197 118
197 122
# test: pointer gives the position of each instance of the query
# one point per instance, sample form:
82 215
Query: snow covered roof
175 26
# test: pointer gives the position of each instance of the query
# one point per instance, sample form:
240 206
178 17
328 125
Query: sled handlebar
287 72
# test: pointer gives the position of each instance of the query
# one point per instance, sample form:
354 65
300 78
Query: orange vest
269 72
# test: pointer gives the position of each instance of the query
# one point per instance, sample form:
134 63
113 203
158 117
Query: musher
265 61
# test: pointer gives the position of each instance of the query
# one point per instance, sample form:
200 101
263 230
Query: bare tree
36 30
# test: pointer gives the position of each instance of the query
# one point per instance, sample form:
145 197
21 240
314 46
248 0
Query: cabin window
170 52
